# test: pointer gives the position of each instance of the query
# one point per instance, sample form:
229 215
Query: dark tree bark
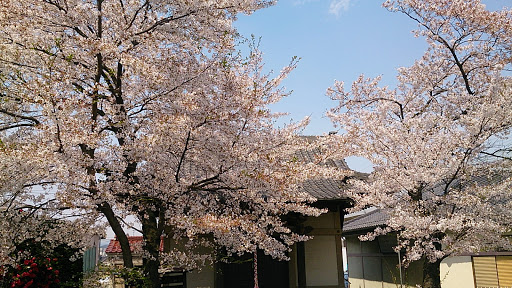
152 235
119 232
431 274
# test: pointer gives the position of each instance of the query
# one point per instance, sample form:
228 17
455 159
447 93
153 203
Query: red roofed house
114 252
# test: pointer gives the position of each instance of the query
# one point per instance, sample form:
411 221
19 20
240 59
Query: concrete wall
457 272
199 278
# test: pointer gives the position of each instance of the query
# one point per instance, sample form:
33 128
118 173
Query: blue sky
335 39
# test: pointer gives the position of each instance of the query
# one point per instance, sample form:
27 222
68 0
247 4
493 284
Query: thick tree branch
182 158
14 115
106 210
164 21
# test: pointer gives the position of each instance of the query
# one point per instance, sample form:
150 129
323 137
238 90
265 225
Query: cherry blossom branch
436 36
29 118
129 225
182 158
164 21
145 4
4 128
56 4
494 154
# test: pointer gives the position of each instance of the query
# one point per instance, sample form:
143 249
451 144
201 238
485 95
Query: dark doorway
240 274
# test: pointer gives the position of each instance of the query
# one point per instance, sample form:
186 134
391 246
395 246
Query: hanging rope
256 269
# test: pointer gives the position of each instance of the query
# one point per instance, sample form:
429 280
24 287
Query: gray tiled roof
366 221
324 189
311 156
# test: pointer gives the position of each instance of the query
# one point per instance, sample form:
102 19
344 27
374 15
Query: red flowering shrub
34 272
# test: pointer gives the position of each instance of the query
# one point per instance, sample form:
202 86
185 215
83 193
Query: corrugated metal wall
504 266
89 259
493 271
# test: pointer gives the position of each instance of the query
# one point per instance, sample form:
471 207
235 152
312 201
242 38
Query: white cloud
337 6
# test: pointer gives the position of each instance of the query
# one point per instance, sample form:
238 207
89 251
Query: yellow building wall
457 272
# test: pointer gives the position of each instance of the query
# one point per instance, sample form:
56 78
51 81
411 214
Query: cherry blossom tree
439 140
145 108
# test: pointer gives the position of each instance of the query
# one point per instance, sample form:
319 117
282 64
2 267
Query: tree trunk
151 268
106 209
152 234
431 274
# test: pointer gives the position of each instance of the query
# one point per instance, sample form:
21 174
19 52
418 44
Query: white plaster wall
457 272
321 263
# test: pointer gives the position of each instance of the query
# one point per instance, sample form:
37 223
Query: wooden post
301 264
